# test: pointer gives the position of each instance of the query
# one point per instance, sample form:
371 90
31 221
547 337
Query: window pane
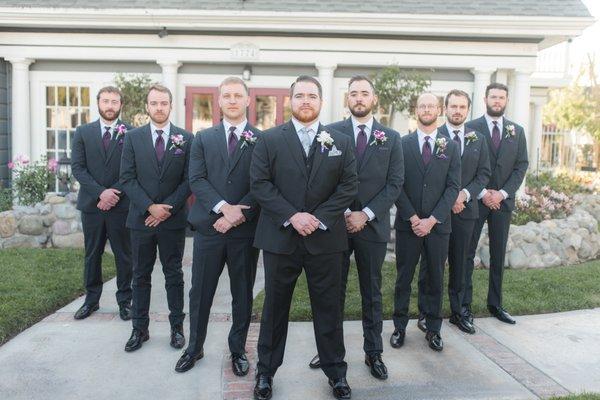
62 140
50 118
73 98
85 116
50 96
73 117
287 109
266 112
71 134
202 112
63 118
50 155
85 96
62 96
50 139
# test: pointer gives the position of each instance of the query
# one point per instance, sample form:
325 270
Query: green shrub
32 179
6 199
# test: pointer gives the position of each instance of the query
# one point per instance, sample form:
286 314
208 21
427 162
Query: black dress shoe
378 368
435 341
187 361
467 313
177 338
125 311
341 389
136 340
397 338
462 323
421 324
240 364
315 362
263 390
85 311
502 315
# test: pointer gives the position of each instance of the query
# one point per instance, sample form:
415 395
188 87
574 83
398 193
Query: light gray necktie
305 139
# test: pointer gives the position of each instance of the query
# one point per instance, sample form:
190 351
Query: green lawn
531 291
583 396
37 282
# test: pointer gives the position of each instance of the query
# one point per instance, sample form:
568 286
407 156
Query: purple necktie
106 137
159 145
361 142
496 135
457 139
233 141
426 151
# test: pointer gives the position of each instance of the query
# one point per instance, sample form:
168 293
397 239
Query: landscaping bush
32 179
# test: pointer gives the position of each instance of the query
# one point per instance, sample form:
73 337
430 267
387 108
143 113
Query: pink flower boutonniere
177 143
440 146
247 139
119 132
380 138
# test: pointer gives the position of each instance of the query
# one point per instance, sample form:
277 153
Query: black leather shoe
85 311
136 340
462 323
315 362
263 390
467 313
341 389
187 361
397 338
378 368
125 311
177 338
240 364
435 341
421 324
502 315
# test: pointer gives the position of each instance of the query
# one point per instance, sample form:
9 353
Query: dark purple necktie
457 139
106 137
426 151
233 141
361 141
496 135
159 145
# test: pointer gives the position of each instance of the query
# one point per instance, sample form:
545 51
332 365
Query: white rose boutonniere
510 131
326 140
440 145
471 137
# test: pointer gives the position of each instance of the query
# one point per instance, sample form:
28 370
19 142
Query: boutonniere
177 143
247 139
326 140
379 136
471 137
440 146
510 131
119 132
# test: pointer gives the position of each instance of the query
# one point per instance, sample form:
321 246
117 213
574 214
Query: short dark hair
231 80
110 89
357 78
458 93
496 85
306 78
160 88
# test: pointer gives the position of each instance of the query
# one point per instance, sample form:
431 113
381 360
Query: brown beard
363 113
158 121
427 123
103 115
304 119
493 113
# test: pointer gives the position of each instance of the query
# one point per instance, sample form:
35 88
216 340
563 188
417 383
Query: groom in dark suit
475 174
431 185
509 162
154 174
95 163
304 177
224 217
380 174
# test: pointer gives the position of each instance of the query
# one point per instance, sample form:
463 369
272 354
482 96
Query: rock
528 234
71 198
56 200
585 251
65 211
73 240
44 209
484 255
8 224
517 258
530 249
48 219
476 262
573 240
65 227
551 260
535 261
25 210
31 225
21 241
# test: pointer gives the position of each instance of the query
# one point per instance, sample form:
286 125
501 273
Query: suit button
228 181
425 185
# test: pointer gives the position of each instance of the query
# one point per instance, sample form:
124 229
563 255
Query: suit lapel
113 144
370 148
220 143
483 128
149 145
168 151
291 137
96 132
503 138
318 157
416 152
239 150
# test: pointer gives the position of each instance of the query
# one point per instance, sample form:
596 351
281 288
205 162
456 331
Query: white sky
589 42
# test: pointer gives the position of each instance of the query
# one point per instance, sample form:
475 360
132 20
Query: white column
502 76
169 79
535 138
520 98
481 78
326 79
21 133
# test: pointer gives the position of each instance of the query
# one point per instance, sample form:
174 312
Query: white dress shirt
239 128
103 127
165 135
421 136
490 123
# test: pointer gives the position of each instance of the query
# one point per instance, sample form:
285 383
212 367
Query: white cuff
217 208
468 195
504 194
286 223
348 211
322 226
482 193
369 213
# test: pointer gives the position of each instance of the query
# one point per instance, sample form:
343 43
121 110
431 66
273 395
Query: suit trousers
369 257
498 227
98 227
409 248
170 243
210 255
323 275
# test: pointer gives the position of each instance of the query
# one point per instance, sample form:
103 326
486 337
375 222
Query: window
66 108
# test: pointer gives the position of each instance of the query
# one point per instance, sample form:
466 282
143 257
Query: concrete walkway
60 358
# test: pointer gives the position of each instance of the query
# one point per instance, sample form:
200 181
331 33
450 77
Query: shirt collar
368 125
491 123
298 126
239 128
451 130
112 126
422 135
166 129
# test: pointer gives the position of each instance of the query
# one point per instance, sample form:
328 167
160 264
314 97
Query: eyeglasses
427 106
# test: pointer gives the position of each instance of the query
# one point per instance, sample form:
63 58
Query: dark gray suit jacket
428 190
475 170
282 185
97 169
214 176
380 178
510 164
147 183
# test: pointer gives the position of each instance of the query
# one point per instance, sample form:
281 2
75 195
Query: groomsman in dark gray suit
224 217
380 167
475 174
95 162
431 186
154 174
509 162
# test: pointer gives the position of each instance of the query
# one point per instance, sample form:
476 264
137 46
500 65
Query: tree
134 89
397 89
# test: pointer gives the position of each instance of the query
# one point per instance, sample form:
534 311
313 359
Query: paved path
60 358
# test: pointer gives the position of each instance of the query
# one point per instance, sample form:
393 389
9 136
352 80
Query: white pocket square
334 152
